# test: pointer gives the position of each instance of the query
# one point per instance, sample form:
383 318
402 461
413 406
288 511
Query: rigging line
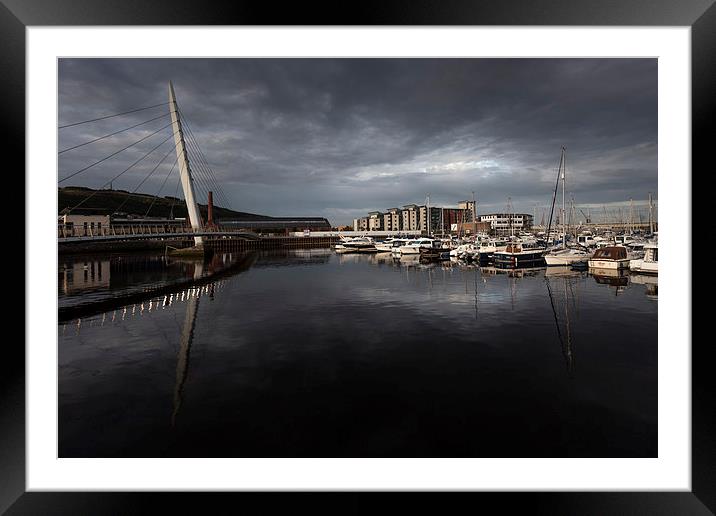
112 116
190 133
129 194
162 186
118 175
112 134
113 154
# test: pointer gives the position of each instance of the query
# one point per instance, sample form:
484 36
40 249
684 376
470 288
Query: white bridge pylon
187 182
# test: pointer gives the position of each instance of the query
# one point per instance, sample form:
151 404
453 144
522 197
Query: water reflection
136 279
564 329
650 282
617 278
362 355
187 336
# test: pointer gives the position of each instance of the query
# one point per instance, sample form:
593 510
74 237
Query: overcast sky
341 137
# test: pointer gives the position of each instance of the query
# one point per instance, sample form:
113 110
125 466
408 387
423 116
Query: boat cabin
651 253
611 253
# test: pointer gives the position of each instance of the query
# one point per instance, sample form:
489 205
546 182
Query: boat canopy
611 253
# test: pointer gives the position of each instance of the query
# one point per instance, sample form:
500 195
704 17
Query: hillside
106 202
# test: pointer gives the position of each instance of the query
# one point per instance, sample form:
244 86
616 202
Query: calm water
307 353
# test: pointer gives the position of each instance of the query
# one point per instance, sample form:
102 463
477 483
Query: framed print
418 252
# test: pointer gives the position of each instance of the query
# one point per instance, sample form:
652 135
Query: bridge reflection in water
342 328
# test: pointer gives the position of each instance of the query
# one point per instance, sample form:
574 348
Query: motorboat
356 245
488 248
519 255
610 257
586 240
437 252
385 246
649 264
413 247
397 243
567 256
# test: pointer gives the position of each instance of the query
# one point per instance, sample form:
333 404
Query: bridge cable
200 168
113 154
118 175
162 186
217 186
175 198
200 176
111 116
190 132
112 134
208 171
129 194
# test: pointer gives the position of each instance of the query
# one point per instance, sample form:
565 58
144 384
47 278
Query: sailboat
565 255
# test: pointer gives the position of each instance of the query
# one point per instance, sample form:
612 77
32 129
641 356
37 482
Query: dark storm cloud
340 137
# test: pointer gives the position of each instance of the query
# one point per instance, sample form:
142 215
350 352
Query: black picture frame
700 15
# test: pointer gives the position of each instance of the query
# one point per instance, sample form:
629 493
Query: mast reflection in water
306 353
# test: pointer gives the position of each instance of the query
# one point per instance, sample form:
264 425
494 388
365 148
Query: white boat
519 255
586 240
386 246
413 247
611 257
567 256
397 243
488 248
649 264
356 245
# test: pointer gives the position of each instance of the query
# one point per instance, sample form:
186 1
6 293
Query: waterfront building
392 220
360 224
505 223
375 221
411 217
468 208
83 225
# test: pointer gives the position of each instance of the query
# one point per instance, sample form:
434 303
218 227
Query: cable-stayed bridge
163 141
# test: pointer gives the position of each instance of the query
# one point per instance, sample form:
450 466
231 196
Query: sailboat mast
474 213
564 211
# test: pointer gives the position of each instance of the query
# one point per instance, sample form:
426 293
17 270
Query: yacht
413 247
567 256
586 240
519 255
397 243
610 257
649 264
438 251
488 248
356 245
385 246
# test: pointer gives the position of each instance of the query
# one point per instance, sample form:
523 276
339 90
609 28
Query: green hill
107 202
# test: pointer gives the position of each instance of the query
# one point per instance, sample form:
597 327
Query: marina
322 273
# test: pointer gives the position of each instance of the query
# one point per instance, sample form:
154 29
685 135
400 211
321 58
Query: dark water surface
307 353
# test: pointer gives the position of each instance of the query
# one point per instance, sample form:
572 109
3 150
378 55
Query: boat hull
609 264
642 267
552 259
514 260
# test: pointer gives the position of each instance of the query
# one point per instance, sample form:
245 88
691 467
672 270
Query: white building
83 225
505 223
392 220
375 221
